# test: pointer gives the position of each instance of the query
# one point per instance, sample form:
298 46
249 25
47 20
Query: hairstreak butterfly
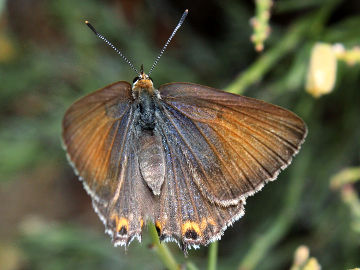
183 156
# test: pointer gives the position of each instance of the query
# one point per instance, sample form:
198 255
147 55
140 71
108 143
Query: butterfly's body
148 133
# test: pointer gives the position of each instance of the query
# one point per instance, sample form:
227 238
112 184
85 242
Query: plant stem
213 250
162 250
191 266
268 239
255 72
293 37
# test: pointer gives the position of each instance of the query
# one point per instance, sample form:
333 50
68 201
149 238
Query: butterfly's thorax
145 99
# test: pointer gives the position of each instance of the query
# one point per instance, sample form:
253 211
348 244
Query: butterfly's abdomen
149 141
151 160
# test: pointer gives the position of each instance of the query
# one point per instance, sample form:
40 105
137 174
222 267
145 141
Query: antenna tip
186 10
91 27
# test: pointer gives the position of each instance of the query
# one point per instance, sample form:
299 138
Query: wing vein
106 159
125 166
187 144
216 153
171 152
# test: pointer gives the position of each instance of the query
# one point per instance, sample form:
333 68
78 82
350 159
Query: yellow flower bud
322 70
301 255
312 264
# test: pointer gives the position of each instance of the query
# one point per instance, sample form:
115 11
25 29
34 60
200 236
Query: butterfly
184 156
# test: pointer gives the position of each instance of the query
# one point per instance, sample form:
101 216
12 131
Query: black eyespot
158 230
136 79
162 237
191 234
123 230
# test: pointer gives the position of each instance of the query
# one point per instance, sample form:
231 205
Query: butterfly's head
143 82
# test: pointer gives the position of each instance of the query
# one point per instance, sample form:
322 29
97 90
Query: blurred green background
49 58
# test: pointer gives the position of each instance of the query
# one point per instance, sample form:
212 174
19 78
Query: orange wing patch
191 230
158 227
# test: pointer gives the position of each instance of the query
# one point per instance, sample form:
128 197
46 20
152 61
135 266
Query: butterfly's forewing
89 129
231 144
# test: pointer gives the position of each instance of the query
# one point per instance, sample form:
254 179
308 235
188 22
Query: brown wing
92 126
231 144
98 135
132 204
183 214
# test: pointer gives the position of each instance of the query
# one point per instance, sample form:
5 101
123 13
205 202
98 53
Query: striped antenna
112 46
170 38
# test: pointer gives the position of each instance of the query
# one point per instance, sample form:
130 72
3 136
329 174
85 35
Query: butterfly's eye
151 79
136 79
